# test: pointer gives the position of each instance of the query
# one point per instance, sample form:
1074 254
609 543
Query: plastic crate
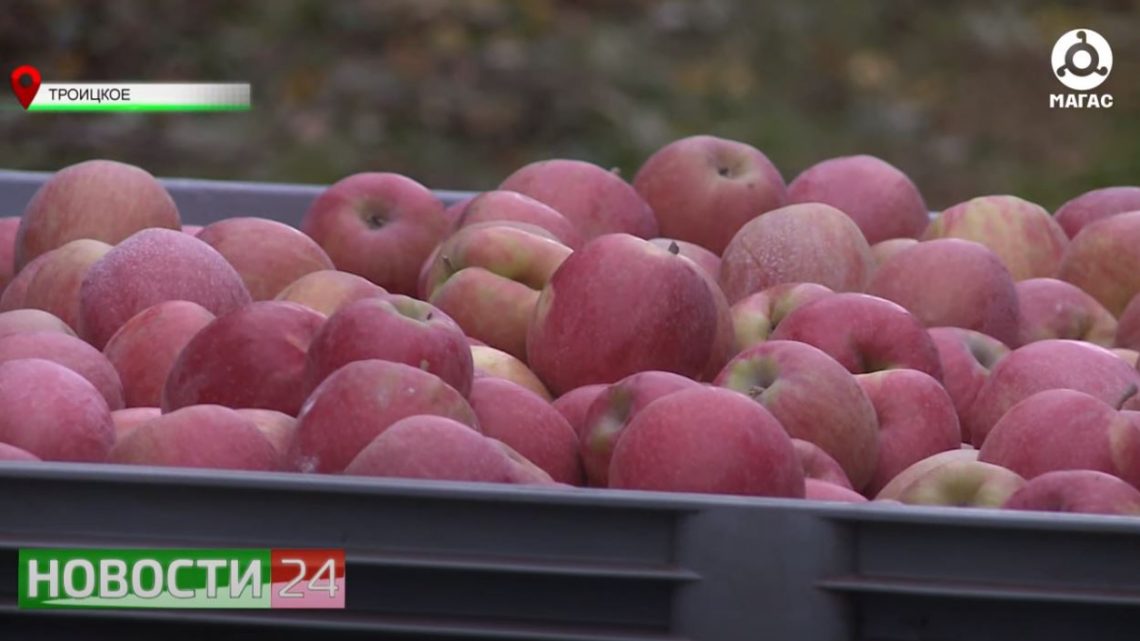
434 560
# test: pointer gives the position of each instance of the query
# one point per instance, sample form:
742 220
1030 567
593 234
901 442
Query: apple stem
1128 393
674 248
447 263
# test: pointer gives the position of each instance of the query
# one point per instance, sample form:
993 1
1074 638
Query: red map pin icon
25 84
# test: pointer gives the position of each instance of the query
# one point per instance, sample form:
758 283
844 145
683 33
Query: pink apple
454 211
150 267
1129 356
267 254
13 295
328 290
191 229
128 418
358 402
201 436
708 440
916 418
882 200
1044 365
70 352
963 484
55 286
756 316
618 306
818 490
967 357
1022 234
1094 205
1052 308
13 453
1103 261
277 427
864 333
1078 491
807 243
813 398
31 320
575 404
705 259
1128 329
381 226
885 249
495 363
611 412
144 349
596 201
703 189
8 227
952 282
394 328
52 412
509 206
98 199
818 465
903 480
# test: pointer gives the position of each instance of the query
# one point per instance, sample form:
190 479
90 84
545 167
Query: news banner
248 578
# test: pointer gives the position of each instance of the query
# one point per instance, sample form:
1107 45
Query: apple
1128 327
439 448
967 357
13 295
529 425
327 290
268 255
31 320
454 212
880 198
70 352
1129 356
55 286
1044 365
864 333
703 189
963 484
817 490
8 227
251 357
52 412
488 278
13 453
191 229
756 316
509 206
98 199
1051 308
150 267
1078 491
1022 234
952 282
492 362
394 328
277 427
814 398
818 465
575 404
916 419
594 200
708 440
611 412
144 349
200 436
127 419
894 489
381 226
885 249
705 259
1063 429
621 305
1094 205
806 243
358 402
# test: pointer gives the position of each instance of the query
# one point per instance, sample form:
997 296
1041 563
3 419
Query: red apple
492 362
596 201
807 243
328 290
1063 429
618 306
703 189
98 199
916 419
1129 356
201 436
70 352
864 333
52 412
1052 308
509 206
13 453
967 357
1044 365
378 225
1077 491
817 490
963 484
31 320
191 229
13 295
144 349
267 254
358 402
530 425
394 328
709 440
55 286
611 412
277 427
575 404
128 418
882 200
1128 329
818 465
153 266
813 398
952 282
1094 205
454 212
8 227
894 489
885 249
705 259
1022 234
756 316
1103 261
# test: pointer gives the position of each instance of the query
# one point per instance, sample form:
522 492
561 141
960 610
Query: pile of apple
705 328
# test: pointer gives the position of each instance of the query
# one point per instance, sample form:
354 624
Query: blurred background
458 93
